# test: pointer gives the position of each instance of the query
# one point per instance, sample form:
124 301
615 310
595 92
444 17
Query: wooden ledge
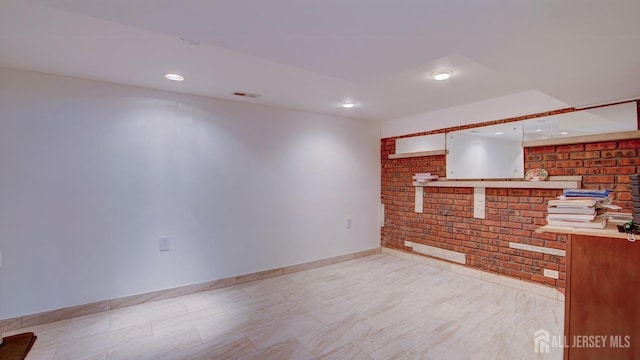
564 182
609 232
417 154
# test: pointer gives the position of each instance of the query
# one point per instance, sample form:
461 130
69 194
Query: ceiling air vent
247 95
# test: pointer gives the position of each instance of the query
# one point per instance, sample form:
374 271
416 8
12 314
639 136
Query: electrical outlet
165 243
348 223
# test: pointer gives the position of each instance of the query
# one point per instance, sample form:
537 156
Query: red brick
511 226
570 148
509 238
588 171
601 146
585 155
543 279
542 149
510 265
555 245
600 162
546 264
556 156
620 170
559 171
547 193
533 200
524 206
619 153
518 192
598 179
569 163
623 197
519 274
523 233
533 214
522 260
629 161
629 144
546 236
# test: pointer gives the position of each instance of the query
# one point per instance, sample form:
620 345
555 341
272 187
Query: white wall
92 174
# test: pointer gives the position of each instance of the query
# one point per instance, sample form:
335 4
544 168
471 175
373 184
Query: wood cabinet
602 298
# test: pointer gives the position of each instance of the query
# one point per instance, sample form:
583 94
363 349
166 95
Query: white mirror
602 120
488 152
496 151
420 143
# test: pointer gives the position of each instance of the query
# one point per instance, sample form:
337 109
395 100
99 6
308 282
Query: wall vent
244 94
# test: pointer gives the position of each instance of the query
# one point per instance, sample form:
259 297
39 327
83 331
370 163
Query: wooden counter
602 294
611 231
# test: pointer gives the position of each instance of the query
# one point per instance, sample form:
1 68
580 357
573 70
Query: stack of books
424 177
579 208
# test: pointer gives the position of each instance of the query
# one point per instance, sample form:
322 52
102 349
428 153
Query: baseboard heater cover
437 252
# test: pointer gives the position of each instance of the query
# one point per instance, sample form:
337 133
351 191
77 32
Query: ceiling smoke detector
244 94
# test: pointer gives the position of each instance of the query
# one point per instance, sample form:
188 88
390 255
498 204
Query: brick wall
512 215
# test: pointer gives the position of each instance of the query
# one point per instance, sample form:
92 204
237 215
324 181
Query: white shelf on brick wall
417 146
554 182
417 154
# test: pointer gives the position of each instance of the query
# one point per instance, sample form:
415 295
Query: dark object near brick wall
17 347
635 197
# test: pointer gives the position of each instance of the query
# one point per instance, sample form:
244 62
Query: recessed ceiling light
499 133
564 133
348 104
173 77
538 130
442 74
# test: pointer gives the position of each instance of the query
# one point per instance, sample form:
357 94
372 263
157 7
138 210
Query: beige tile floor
377 307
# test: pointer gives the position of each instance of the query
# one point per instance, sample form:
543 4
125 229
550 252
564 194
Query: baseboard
121 302
522 285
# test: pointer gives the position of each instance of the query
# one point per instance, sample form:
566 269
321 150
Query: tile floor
377 307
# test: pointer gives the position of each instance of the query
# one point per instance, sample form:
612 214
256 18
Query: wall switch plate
551 273
165 243
348 223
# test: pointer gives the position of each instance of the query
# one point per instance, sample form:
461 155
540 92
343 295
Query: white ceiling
313 54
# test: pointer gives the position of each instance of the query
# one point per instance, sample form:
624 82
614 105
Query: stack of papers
586 193
580 208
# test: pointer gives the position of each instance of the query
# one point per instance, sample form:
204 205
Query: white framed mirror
601 120
496 151
487 152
